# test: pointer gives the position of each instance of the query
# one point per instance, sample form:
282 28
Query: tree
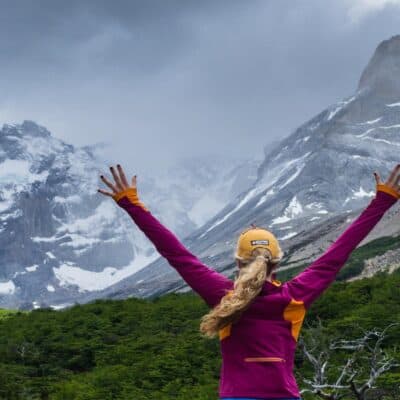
346 369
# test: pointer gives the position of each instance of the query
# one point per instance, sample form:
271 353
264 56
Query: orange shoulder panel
225 332
294 313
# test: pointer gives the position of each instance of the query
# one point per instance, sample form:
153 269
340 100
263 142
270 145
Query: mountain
310 185
60 239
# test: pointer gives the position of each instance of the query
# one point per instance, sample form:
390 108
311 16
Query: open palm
120 182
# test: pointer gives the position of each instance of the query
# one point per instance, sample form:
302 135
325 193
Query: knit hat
254 237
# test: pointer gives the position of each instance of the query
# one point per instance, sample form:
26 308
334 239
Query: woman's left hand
393 181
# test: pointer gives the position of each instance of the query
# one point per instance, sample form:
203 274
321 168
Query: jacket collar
268 286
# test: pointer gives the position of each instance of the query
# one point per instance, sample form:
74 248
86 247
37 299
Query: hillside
309 186
145 350
60 239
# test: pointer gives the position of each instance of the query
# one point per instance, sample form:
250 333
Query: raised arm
208 283
311 282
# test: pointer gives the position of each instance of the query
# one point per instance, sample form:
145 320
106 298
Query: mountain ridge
59 238
321 172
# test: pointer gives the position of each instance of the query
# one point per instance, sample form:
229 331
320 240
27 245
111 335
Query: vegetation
151 349
377 247
7 313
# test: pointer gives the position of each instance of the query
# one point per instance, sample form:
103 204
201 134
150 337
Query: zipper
264 359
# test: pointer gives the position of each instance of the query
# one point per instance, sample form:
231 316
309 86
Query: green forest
152 349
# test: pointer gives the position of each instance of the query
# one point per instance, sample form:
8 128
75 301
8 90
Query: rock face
382 72
389 262
60 239
309 186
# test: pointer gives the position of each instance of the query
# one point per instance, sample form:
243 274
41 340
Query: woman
258 319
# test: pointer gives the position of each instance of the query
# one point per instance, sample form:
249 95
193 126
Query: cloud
161 79
360 9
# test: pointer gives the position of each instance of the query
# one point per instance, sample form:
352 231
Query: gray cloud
161 79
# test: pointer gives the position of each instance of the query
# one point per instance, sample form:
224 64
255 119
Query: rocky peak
27 128
381 75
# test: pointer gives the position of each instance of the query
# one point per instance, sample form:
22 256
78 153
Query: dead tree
356 376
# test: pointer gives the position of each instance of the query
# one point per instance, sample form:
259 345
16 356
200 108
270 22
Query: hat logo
255 242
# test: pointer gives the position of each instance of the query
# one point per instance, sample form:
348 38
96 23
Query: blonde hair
247 286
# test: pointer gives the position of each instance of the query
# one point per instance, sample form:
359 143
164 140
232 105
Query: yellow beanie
254 237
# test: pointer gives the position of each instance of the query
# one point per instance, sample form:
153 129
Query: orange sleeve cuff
387 189
131 194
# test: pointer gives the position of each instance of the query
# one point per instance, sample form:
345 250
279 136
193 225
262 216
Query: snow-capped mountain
60 239
310 185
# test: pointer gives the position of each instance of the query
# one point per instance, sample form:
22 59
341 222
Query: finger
134 181
377 178
398 180
105 193
122 176
118 183
393 176
108 183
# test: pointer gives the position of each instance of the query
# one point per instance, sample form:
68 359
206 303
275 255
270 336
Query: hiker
257 317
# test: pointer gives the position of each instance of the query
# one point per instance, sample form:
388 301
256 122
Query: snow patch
289 235
340 106
294 176
245 199
87 231
12 214
280 220
373 121
79 241
32 268
17 172
314 205
393 105
361 135
265 196
292 210
381 140
389 126
362 193
70 199
69 274
15 176
270 178
39 239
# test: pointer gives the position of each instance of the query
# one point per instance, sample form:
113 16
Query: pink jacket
258 351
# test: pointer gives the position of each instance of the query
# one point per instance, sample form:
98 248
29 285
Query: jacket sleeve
310 283
208 283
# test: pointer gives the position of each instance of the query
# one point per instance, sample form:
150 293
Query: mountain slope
310 185
60 239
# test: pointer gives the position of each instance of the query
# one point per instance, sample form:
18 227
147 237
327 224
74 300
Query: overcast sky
158 79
